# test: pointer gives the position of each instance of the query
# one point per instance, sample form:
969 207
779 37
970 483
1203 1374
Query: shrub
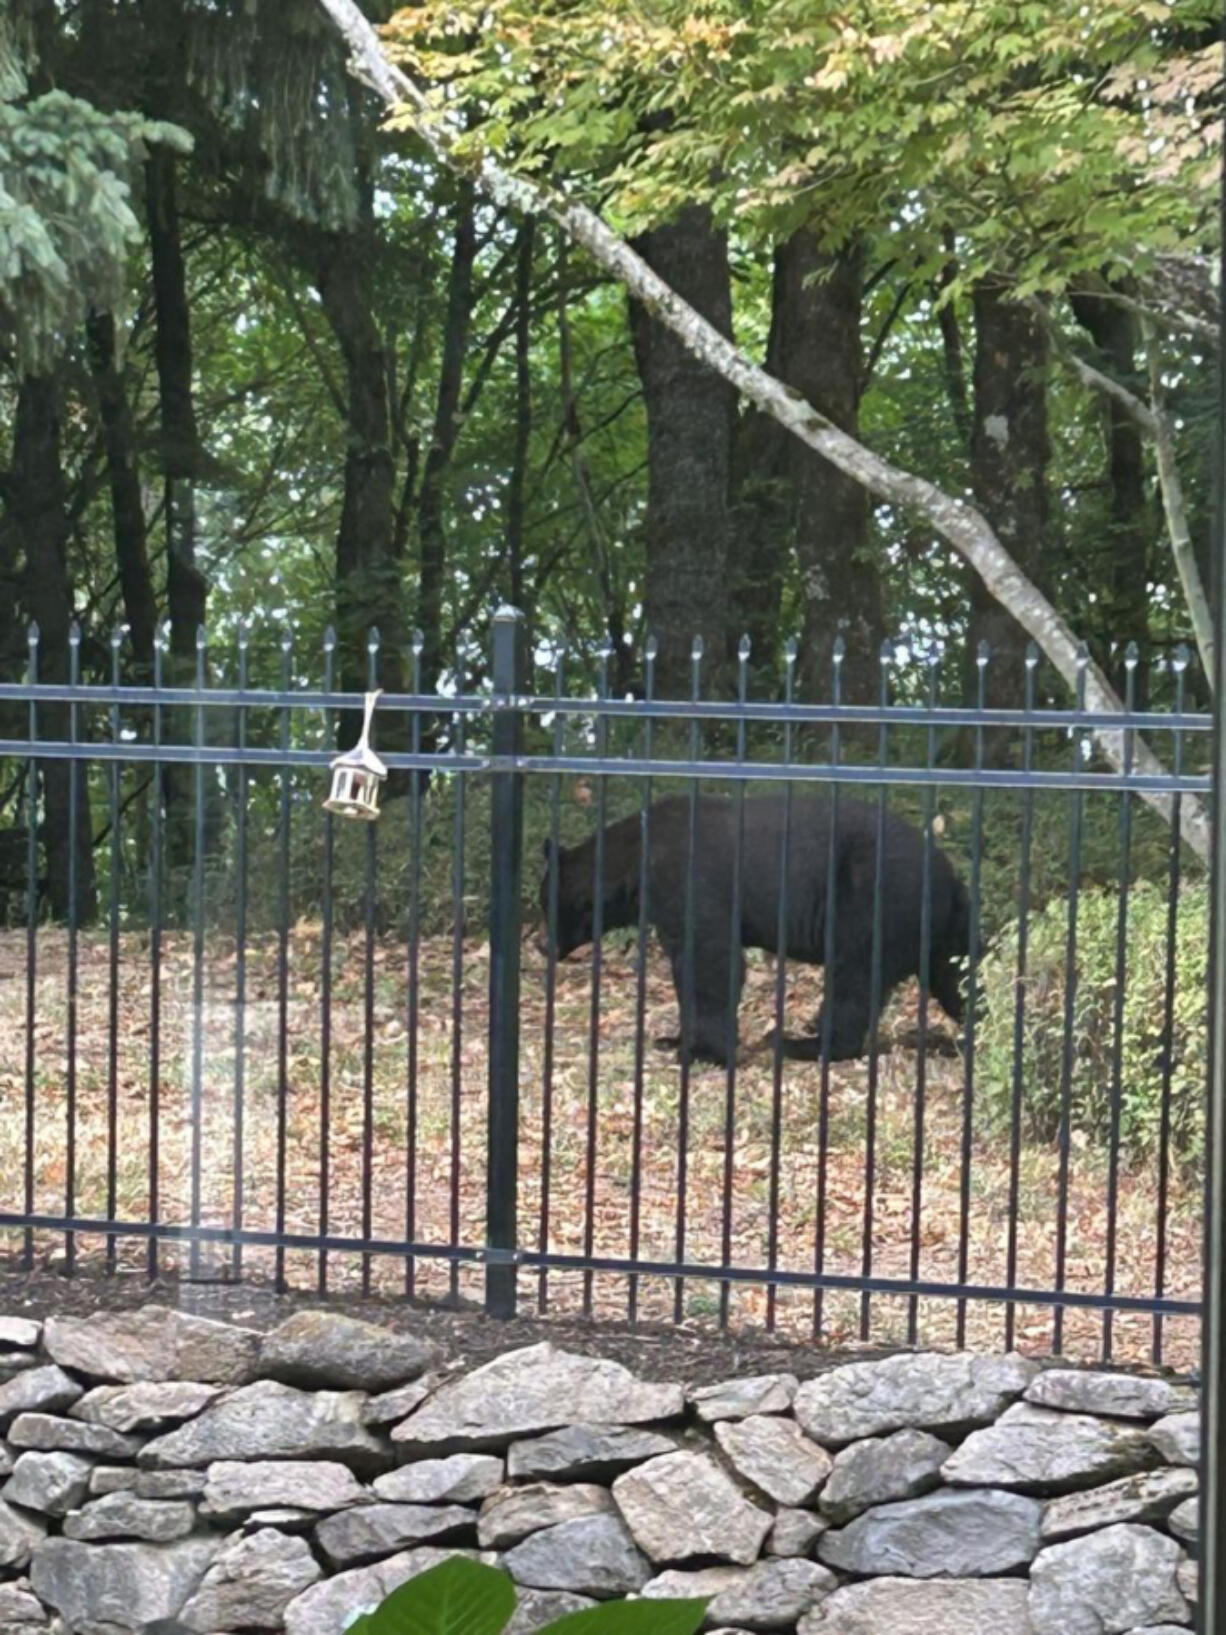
1144 1066
463 1597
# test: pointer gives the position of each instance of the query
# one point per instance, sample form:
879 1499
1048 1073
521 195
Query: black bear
708 1019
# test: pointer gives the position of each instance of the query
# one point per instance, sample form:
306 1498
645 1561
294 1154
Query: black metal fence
260 1040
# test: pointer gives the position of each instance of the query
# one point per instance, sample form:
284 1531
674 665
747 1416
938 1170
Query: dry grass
450 1152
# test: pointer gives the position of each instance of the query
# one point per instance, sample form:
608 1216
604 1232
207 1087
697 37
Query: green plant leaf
458 1597
632 1618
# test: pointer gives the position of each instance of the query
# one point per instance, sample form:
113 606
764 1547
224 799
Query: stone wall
169 1474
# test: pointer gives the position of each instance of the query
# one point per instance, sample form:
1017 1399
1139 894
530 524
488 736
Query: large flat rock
682 1506
1108 1583
927 1391
585 1453
237 1488
1150 1496
123 1586
975 1534
329 1607
368 1531
768 1595
154 1343
594 1556
252 1580
267 1420
776 1456
1042 1450
513 1513
149 1405
524 1393
880 1469
461 1478
908 1606
1117 1396
326 1350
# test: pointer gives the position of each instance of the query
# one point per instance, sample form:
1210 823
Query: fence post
506 826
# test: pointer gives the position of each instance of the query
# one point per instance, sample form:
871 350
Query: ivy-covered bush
1144 1069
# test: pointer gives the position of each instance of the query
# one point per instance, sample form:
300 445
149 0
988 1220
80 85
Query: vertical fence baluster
506 837
925 978
197 1061
734 981
781 981
593 1039
1067 1062
155 966
829 983
283 912
1117 1021
640 984
459 747
551 979
74 922
886 657
31 1089
414 981
688 991
112 1044
1019 999
240 965
1179 664
327 927
972 997
368 992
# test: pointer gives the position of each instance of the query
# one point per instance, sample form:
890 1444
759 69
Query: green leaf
632 1618
458 1597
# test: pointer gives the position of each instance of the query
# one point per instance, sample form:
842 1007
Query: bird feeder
357 774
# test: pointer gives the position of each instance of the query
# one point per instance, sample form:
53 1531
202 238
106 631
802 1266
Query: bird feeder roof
363 758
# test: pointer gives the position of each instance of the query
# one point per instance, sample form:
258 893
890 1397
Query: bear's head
575 900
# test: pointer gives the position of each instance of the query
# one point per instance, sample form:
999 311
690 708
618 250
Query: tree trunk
127 504
36 496
432 537
1124 572
1009 454
821 356
691 415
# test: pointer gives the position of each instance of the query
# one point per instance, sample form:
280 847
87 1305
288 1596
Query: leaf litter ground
577 1190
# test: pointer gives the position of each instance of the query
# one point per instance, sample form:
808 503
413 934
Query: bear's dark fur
708 1021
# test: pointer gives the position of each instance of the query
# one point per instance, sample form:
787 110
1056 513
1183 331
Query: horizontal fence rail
240 1036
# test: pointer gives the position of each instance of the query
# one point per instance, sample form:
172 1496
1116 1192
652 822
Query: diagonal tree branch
958 522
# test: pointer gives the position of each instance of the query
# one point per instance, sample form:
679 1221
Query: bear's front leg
707 1011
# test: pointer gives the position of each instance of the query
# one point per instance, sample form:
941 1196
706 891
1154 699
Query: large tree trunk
36 505
127 503
1009 454
1124 570
431 531
691 415
821 356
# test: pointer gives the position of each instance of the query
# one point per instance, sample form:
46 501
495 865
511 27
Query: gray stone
1177 1438
942 1535
46 1390
1150 1496
283 1517
19 1606
738 1399
235 1488
926 1390
512 1513
769 1595
461 1478
1041 1450
1187 1577
795 1532
910 1606
47 1433
53 1483
1107 1583
329 1607
881 1469
119 1586
6 1459
326 1350
147 1406
268 1420
170 1484
587 1453
1161 1629
123 1515
19 1333
251 1582
776 1456
13 1363
1184 1520
530 1391
536 1608
592 1556
20 1532
369 1531
1118 1396
683 1505
390 1406
154 1343
108 1478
